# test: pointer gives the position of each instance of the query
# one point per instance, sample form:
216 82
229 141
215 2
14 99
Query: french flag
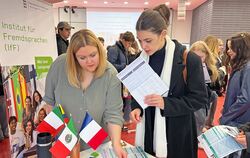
91 132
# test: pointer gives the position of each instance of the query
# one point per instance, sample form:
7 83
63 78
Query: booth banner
28 47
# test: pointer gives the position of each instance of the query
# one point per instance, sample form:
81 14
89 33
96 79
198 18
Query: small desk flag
65 118
65 142
91 132
52 123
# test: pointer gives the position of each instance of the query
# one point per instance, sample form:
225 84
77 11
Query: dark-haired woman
30 135
38 103
28 112
236 109
166 128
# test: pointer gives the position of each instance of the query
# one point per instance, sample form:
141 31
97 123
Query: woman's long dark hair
35 104
240 44
32 128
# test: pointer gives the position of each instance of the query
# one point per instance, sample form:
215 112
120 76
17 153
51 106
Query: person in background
118 53
236 109
134 52
3 118
220 48
210 74
41 115
62 36
30 135
213 44
118 56
223 57
101 39
82 80
16 139
166 128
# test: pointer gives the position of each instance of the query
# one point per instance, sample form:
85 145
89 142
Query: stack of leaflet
133 152
219 141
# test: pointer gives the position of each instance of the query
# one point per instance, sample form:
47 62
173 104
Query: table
87 153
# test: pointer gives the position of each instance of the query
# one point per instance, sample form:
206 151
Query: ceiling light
125 2
105 2
65 1
85 2
146 3
181 10
187 3
167 3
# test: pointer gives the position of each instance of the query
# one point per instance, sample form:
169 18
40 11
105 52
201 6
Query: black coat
62 45
183 99
117 56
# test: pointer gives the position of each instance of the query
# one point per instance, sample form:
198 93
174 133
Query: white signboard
26 30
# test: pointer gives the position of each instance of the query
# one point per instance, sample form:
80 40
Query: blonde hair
210 60
213 44
80 39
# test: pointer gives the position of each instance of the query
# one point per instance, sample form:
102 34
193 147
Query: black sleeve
245 127
248 141
195 96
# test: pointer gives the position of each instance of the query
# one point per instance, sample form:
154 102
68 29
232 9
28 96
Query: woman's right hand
135 115
241 138
75 153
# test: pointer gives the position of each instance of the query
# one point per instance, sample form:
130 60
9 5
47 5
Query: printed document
133 152
141 80
219 141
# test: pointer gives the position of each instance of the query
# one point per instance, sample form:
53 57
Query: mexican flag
52 123
65 142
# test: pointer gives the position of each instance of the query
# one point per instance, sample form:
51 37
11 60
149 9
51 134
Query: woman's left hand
154 100
120 153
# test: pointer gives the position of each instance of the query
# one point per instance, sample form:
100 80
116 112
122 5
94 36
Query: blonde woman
213 44
82 80
201 49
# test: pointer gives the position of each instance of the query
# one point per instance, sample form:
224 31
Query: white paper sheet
218 142
141 80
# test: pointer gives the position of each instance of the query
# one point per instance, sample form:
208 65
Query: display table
87 153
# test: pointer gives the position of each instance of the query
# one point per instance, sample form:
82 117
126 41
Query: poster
28 47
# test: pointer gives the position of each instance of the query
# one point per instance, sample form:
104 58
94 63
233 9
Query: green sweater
102 99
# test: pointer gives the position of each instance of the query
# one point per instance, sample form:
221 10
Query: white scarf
160 138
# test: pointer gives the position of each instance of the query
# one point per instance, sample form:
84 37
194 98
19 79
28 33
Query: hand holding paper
154 100
141 80
218 141
241 138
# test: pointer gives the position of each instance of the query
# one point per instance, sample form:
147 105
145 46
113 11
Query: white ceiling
120 3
